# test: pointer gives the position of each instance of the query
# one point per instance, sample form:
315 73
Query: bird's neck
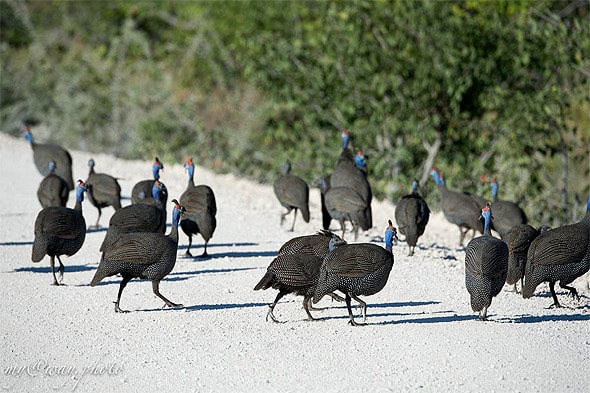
173 235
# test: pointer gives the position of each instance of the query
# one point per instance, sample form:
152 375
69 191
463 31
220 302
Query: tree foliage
474 87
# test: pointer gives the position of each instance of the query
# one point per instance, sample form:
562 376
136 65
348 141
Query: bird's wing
139 248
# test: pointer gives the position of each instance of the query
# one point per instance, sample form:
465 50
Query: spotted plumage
459 208
296 268
142 190
103 190
411 216
43 153
60 231
360 269
53 190
149 256
486 266
519 239
139 217
560 254
293 194
201 211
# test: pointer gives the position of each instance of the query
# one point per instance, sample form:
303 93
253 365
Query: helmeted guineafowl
142 190
44 153
560 254
360 269
486 266
201 209
411 216
348 174
103 190
60 231
458 208
293 194
296 269
345 204
53 190
316 244
139 217
148 256
519 239
507 214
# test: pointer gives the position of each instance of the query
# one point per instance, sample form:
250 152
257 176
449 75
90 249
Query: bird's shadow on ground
209 307
544 318
228 254
29 243
47 269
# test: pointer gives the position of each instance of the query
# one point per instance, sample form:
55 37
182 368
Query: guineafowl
139 217
348 174
458 208
201 208
412 215
560 254
345 204
53 190
293 194
486 266
356 269
507 214
145 255
296 270
103 190
44 153
60 231
519 239
317 244
142 190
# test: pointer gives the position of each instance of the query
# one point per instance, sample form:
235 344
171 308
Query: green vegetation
474 87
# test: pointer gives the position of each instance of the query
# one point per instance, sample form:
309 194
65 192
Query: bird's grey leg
555 301
52 262
188 248
204 254
483 314
124 281
62 269
156 289
411 251
461 236
98 219
271 308
306 302
573 291
351 320
283 215
362 305
336 297
294 218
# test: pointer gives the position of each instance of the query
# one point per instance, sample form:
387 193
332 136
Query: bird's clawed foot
555 305
355 323
172 305
271 316
574 294
119 310
58 284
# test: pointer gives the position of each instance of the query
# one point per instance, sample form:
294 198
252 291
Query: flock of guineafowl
312 266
